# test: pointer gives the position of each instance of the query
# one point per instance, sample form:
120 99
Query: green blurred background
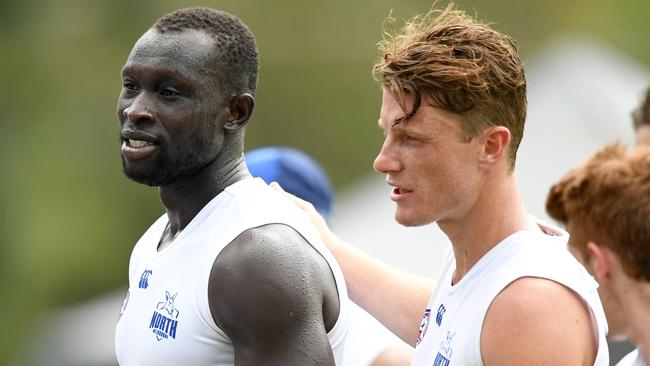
69 218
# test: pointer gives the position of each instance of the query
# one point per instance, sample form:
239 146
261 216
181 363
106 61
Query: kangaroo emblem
445 346
168 305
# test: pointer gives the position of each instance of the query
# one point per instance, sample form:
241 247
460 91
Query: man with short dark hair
231 274
453 111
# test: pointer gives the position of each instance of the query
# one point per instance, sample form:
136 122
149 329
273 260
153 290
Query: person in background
605 205
641 120
368 343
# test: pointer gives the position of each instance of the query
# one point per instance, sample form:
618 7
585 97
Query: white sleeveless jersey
634 358
166 319
450 330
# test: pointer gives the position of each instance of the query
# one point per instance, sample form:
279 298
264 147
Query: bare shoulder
272 278
536 321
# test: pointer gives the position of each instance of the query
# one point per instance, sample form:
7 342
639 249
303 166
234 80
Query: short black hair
641 116
235 44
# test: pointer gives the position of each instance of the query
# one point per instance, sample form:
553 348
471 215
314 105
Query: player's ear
240 109
495 141
600 262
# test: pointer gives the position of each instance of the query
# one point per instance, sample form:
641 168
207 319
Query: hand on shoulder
316 219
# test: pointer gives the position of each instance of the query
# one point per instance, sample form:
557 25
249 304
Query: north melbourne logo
164 321
444 355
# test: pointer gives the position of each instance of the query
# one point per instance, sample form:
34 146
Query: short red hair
608 196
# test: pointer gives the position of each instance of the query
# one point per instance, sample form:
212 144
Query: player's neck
498 213
183 200
636 302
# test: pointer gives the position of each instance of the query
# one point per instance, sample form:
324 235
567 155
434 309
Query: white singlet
166 319
450 331
634 358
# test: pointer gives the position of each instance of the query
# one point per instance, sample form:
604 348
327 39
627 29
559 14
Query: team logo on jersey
444 355
144 279
164 321
424 325
441 313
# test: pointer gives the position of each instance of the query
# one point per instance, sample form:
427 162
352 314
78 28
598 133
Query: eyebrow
164 72
392 125
401 129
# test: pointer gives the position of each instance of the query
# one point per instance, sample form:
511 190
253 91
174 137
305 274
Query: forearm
395 297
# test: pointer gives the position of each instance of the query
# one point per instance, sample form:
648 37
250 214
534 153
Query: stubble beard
166 170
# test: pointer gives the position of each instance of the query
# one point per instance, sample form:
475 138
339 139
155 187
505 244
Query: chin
148 177
142 178
410 220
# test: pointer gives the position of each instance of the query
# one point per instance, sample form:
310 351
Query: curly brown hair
608 197
641 116
457 63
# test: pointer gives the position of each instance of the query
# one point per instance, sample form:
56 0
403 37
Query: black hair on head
235 44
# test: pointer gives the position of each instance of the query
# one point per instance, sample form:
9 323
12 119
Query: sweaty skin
470 190
269 290
275 314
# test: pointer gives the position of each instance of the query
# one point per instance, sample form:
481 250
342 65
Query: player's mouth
137 145
399 193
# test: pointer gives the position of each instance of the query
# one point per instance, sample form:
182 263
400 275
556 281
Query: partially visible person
605 205
230 274
453 111
296 172
641 120
368 343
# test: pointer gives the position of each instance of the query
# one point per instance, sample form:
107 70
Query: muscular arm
275 297
395 297
536 321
